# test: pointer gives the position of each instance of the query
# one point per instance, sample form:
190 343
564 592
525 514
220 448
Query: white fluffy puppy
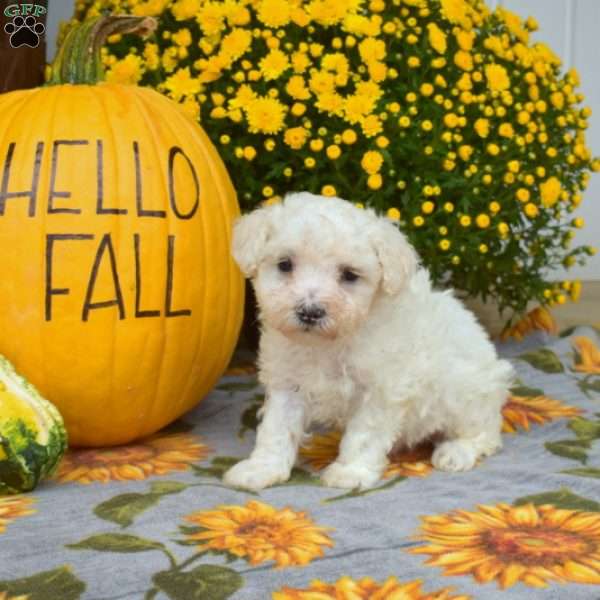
353 336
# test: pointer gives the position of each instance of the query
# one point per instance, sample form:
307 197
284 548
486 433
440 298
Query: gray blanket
152 519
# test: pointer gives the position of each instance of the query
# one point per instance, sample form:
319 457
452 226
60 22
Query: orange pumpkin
119 299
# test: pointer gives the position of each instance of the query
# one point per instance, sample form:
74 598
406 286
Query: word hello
105 259
22 10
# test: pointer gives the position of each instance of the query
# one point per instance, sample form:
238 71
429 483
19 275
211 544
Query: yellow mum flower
437 38
349 136
375 181
482 127
465 39
274 13
382 142
322 82
128 71
265 115
550 192
418 221
356 107
464 60
465 220
333 151
493 149
211 18
413 62
300 62
296 88
328 190
236 43
465 152
455 11
295 137
274 64
482 221
427 207
393 214
451 120
331 103
531 210
185 9
371 49
181 83
444 244
260 533
371 126
506 130
503 229
497 78
523 195
508 544
371 161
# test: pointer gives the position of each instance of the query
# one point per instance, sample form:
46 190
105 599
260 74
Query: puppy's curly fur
354 336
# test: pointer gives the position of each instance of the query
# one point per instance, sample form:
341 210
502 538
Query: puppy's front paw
454 455
255 475
349 476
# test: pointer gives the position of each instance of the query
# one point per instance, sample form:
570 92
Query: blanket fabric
152 520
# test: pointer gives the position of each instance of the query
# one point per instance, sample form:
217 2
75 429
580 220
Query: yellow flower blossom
274 64
393 214
333 151
482 220
506 130
274 13
181 83
375 181
497 78
531 210
128 70
371 126
437 38
185 9
295 137
371 162
550 192
265 115
465 39
464 60
328 190
296 88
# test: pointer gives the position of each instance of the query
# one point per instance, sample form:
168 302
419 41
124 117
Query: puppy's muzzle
310 315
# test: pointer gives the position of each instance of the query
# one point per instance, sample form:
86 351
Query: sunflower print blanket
152 520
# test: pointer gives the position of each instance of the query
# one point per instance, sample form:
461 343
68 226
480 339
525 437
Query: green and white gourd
33 437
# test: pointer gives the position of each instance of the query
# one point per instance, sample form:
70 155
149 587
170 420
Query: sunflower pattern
531 544
14 507
155 455
526 521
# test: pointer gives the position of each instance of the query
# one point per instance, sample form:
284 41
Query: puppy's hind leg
469 441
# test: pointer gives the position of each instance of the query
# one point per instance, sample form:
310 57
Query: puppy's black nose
309 315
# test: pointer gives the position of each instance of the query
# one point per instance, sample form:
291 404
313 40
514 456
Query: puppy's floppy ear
397 257
250 234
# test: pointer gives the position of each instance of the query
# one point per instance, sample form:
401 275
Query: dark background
22 67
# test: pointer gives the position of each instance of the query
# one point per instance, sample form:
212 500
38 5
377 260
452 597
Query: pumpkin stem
78 59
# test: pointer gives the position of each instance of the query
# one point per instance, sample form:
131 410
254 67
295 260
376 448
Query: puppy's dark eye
285 265
349 275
